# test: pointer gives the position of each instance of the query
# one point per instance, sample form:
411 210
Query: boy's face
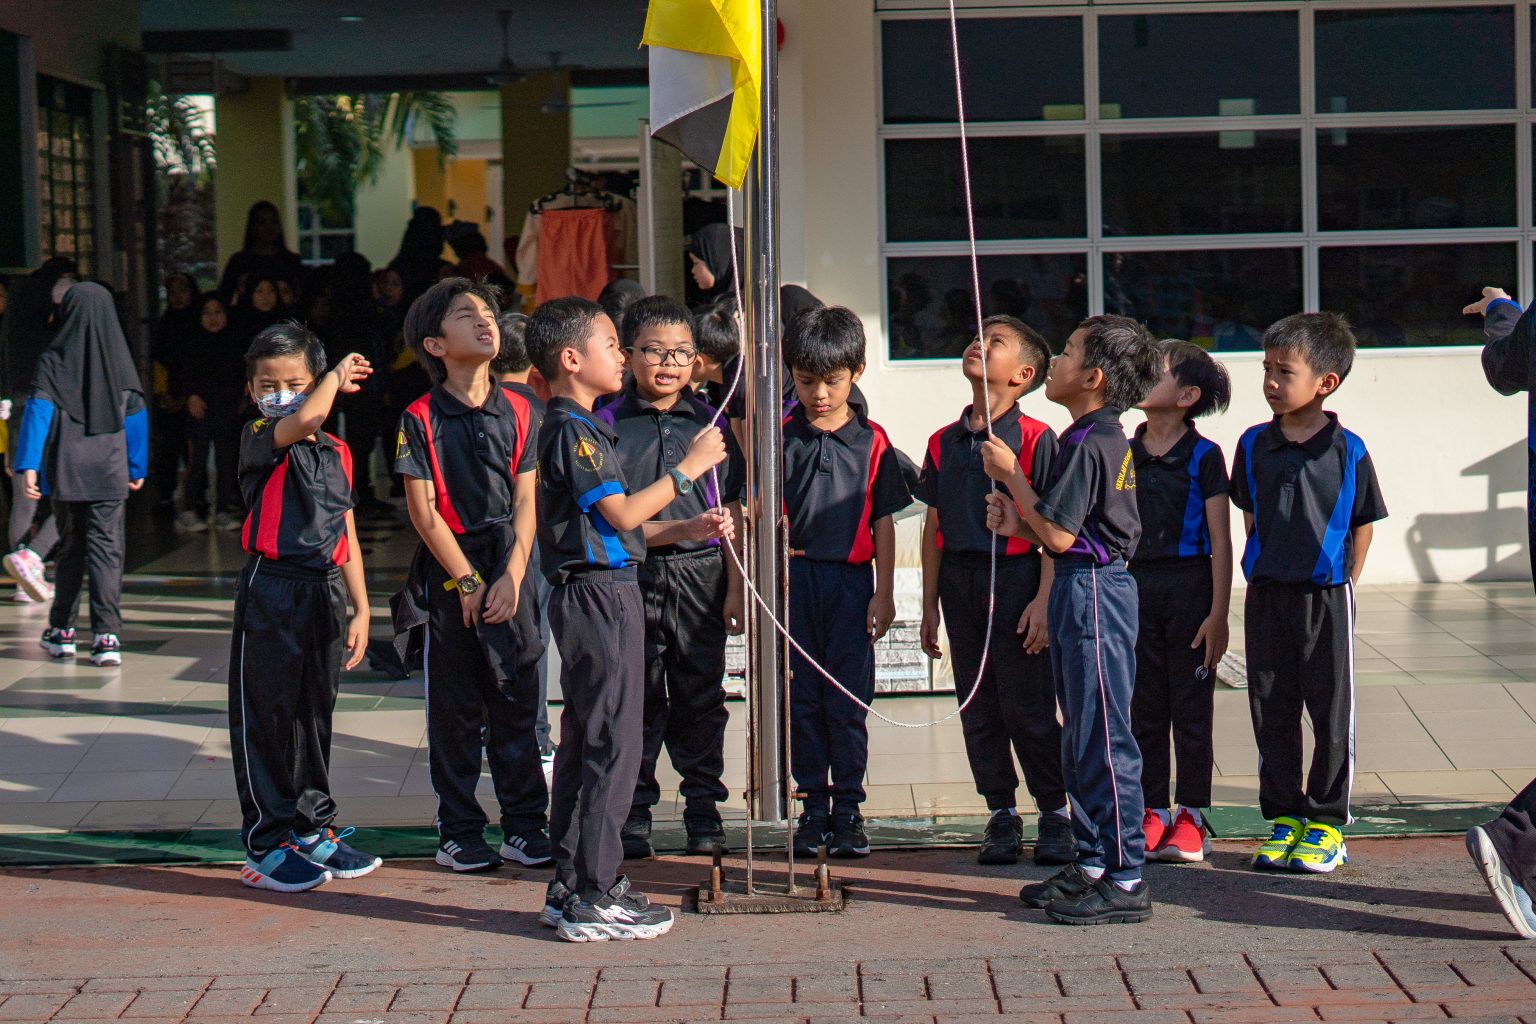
1169 394
1067 379
1004 363
662 360
824 395
468 333
1290 382
601 366
280 373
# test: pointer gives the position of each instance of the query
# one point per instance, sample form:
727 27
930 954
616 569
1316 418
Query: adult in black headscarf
264 253
709 259
420 258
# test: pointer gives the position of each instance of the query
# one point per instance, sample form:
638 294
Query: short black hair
1033 349
1126 353
825 340
285 338
715 332
425 318
512 357
1193 367
557 325
1324 340
652 311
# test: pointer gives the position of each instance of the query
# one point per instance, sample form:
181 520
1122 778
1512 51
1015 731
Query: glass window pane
1383 178
1222 299
1031 187
933 311
1430 58
1412 294
920 73
1199 65
1202 183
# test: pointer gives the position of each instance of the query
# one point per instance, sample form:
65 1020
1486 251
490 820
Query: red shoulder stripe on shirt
522 412
422 410
935 446
1030 432
863 538
346 456
271 509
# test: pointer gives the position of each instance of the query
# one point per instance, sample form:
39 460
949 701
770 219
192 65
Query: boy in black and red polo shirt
842 484
465 453
291 622
1014 707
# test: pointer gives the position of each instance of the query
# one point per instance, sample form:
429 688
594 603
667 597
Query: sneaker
107 651
227 521
188 521
59 642
706 833
22 597
1154 829
284 869
556 895
468 854
848 838
617 914
328 848
530 849
1069 883
1184 843
1319 851
810 835
1513 899
1055 843
26 568
1104 903
1003 841
636 834
1275 854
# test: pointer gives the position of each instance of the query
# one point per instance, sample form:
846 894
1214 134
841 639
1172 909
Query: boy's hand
929 634
357 639
882 612
29 485
1480 307
707 449
998 460
1214 633
196 407
351 372
1002 517
134 485
471 606
711 525
501 598
734 612
1033 627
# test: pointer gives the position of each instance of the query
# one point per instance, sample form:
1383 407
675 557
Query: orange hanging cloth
573 254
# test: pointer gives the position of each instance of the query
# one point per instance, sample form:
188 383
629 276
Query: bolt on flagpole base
721 895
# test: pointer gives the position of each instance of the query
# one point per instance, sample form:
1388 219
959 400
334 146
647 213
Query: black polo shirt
536 405
955 482
1171 492
1091 489
578 467
652 441
1305 498
837 484
298 496
472 456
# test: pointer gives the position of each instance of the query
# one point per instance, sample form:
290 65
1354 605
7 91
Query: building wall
69 35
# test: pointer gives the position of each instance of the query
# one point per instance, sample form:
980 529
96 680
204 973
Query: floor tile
1419 787
119 785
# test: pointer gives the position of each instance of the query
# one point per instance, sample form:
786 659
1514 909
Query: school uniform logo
1126 480
402 447
588 455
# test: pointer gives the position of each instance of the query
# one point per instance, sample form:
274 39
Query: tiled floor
1447 696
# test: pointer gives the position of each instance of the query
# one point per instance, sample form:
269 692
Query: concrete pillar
535 144
256 161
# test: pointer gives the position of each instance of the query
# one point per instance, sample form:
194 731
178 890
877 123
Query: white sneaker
27 569
227 521
107 651
190 522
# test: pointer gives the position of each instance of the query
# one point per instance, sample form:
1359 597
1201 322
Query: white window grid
311 239
1092 128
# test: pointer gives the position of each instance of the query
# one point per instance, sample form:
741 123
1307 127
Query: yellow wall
466 191
256 161
535 146
384 206
431 179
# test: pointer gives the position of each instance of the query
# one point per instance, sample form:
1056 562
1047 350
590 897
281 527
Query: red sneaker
1185 842
1154 830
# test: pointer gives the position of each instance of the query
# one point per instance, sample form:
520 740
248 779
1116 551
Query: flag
706 66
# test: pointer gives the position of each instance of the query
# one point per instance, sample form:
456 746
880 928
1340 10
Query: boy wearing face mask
292 634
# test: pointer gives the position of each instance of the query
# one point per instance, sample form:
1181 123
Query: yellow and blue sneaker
1275 854
1319 851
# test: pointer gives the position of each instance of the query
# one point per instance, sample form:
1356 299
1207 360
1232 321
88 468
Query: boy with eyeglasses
691 592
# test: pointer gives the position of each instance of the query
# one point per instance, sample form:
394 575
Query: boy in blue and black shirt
1309 495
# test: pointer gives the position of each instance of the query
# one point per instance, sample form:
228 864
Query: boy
842 485
464 451
692 595
1183 571
1014 709
1086 518
291 622
592 535
1309 496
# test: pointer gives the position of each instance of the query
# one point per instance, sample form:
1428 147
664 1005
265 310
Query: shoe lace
1316 836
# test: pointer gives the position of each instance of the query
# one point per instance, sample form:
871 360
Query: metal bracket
720 895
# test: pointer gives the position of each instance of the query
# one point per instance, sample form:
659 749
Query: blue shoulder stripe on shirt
1330 567
598 493
1195 539
1251 548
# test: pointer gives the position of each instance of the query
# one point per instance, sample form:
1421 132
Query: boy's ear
1094 380
1328 384
1188 396
1023 376
853 377
570 359
434 346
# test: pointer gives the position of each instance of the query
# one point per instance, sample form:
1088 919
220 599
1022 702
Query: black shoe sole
997 857
847 852
1107 917
1041 902
705 846
635 851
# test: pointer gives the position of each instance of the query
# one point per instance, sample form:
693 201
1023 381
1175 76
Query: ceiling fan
506 71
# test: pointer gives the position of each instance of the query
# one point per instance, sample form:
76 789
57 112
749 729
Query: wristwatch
680 479
465 584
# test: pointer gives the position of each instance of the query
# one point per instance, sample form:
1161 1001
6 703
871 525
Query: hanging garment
573 254
623 241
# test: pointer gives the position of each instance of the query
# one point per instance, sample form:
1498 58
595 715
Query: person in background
175 333
710 263
420 260
618 295
264 254
474 255
207 382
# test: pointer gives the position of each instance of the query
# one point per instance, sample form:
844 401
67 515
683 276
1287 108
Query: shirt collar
574 410
848 433
1103 414
683 407
1007 419
495 402
1274 437
1178 453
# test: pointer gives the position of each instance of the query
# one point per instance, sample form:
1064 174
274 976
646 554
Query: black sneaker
1068 883
636 834
1055 843
618 914
530 849
329 849
848 838
1004 839
706 833
556 895
1104 903
810 835
468 854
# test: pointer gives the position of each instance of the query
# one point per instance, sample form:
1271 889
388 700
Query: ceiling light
350 18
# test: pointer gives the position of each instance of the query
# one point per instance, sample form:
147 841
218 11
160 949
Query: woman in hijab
215 393
175 333
264 254
420 259
84 441
709 260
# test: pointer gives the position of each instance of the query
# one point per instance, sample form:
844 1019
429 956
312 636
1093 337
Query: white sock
1094 873
306 840
1065 811
1130 886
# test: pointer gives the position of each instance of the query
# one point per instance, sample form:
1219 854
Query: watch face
469 585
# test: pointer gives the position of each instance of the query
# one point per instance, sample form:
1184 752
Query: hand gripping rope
970 224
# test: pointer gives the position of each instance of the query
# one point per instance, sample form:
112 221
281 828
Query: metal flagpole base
726 896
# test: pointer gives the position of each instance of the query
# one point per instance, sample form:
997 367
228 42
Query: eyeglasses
657 356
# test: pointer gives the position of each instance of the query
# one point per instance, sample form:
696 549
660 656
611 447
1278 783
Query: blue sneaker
284 869
1514 901
60 643
327 849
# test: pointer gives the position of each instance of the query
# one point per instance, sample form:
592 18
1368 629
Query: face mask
280 403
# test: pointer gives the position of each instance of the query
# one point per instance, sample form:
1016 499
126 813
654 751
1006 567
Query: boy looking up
842 485
1086 518
692 594
1309 495
465 453
592 535
1014 709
